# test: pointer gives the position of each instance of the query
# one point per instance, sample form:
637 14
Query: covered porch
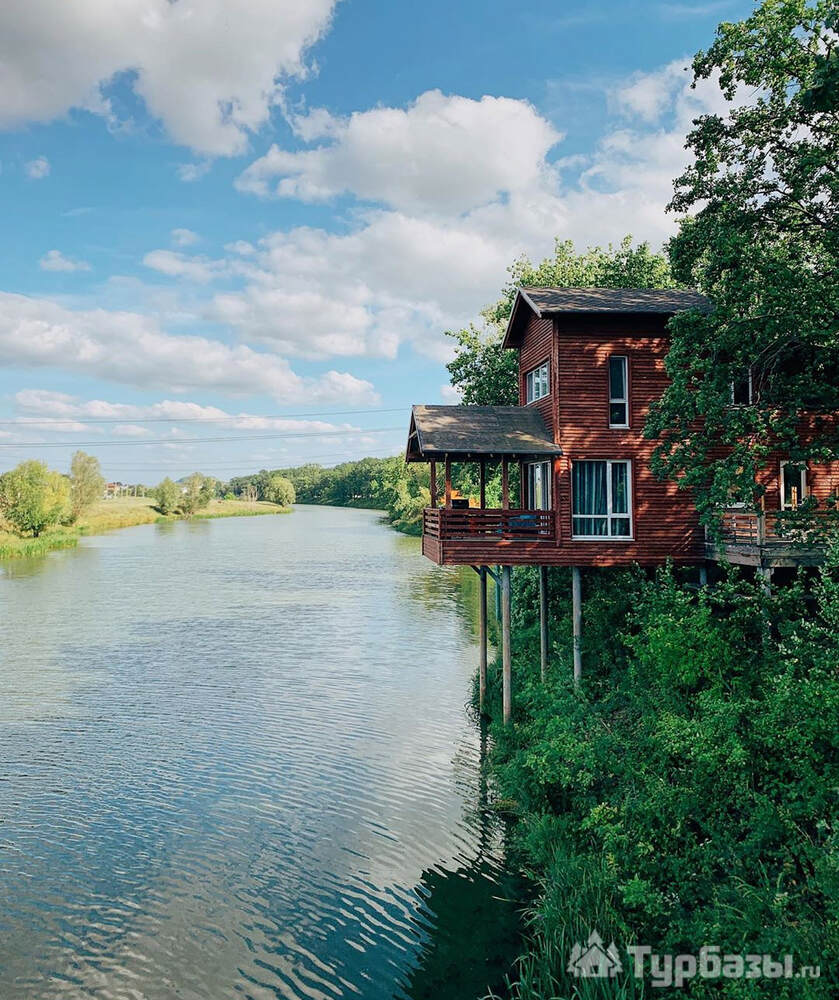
457 531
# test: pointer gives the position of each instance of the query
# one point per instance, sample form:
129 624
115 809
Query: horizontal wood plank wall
665 521
536 348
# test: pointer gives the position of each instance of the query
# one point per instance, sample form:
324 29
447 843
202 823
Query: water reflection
235 758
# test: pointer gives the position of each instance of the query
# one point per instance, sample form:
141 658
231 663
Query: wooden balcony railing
473 523
771 528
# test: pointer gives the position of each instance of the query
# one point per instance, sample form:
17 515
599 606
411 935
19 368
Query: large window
602 499
618 394
538 485
538 383
793 485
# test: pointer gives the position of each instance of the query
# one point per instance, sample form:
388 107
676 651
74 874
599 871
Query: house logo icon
593 960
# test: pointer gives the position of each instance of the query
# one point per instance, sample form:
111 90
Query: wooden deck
480 536
763 539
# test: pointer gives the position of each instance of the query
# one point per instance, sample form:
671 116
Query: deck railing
474 523
769 528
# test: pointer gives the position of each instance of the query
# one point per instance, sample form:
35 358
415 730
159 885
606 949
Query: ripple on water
237 761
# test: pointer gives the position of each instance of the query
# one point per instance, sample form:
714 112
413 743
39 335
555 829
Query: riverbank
683 795
122 512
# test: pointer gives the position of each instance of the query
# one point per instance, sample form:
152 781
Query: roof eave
521 294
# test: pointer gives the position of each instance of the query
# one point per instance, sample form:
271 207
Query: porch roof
472 433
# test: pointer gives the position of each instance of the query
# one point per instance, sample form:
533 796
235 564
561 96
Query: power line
189 441
30 421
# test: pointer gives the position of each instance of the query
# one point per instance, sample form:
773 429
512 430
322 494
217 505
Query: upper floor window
742 389
618 394
538 485
793 485
538 383
601 499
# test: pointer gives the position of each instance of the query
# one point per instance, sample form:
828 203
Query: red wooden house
591 362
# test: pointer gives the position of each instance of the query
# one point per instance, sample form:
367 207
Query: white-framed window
742 389
538 485
618 391
793 484
538 383
601 499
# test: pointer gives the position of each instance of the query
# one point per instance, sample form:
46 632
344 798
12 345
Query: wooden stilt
543 620
483 485
482 639
497 593
577 609
703 575
448 502
433 484
765 572
506 663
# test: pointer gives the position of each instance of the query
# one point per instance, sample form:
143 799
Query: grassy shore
121 512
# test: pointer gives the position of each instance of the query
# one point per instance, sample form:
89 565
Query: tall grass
15 547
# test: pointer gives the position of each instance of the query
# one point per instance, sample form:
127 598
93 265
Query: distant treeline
386 484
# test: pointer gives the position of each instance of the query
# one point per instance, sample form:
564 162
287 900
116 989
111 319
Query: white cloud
191 172
38 168
184 237
178 265
132 349
210 72
54 260
452 217
442 154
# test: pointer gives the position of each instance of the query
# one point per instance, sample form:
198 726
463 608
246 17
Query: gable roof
474 432
556 301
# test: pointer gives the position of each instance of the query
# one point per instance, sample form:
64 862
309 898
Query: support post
497 579
448 482
505 484
433 484
506 662
543 620
765 573
483 485
482 638
703 575
577 603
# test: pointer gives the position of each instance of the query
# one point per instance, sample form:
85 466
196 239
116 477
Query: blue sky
253 221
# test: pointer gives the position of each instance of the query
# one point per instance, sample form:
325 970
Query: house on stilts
591 363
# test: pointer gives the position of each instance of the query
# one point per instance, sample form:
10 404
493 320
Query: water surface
236 761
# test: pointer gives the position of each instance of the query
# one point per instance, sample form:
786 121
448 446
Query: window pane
620 527
617 378
590 526
620 491
617 414
589 488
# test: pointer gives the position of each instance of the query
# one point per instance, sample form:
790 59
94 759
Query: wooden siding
538 346
665 521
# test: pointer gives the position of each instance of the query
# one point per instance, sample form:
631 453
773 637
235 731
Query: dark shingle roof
547 301
477 431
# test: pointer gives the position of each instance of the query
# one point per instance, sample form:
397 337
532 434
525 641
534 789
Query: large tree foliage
484 373
32 497
763 243
197 492
86 483
280 490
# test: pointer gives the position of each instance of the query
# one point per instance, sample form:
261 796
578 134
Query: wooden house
591 363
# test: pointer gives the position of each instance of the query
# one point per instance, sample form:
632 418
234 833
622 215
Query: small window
742 389
602 499
793 485
618 395
539 485
538 383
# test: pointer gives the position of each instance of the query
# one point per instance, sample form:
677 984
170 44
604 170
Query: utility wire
29 421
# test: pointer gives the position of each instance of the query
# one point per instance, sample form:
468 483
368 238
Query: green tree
279 490
167 495
32 497
86 483
763 243
487 375
197 492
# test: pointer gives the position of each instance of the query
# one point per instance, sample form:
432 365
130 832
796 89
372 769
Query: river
236 760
